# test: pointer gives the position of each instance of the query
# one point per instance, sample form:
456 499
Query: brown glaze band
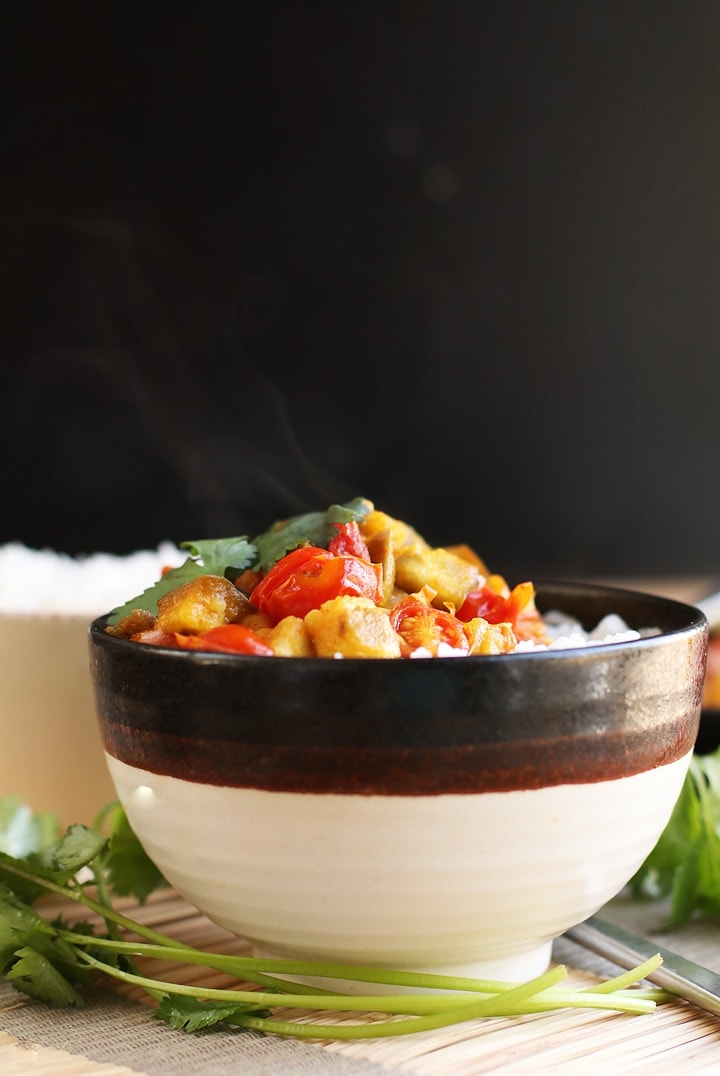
498 767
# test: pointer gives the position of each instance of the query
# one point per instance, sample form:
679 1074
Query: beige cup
51 754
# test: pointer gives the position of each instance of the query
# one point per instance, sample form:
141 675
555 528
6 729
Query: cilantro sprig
229 557
52 961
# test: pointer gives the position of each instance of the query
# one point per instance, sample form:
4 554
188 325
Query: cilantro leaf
16 920
130 870
34 975
222 556
77 848
190 1014
313 528
35 838
64 957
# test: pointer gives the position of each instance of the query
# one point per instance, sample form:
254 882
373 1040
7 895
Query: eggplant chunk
450 576
200 604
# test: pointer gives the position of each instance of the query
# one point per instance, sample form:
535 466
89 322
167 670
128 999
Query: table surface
116 1036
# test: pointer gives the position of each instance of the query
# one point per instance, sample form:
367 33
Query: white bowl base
478 884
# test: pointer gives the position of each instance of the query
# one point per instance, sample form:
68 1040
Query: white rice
566 633
44 581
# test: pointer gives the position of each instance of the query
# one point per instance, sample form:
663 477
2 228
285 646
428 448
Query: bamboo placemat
115 1035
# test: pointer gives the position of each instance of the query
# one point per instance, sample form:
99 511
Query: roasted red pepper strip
307 577
226 639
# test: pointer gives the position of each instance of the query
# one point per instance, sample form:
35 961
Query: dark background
462 259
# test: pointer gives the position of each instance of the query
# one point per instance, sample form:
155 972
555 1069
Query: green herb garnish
229 557
685 863
314 528
52 961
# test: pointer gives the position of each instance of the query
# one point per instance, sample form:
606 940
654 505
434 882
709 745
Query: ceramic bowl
446 814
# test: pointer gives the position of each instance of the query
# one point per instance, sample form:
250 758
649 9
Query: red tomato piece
262 595
285 567
419 624
349 541
227 639
309 581
496 608
486 603
517 609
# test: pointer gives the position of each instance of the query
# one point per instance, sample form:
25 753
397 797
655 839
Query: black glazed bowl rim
519 720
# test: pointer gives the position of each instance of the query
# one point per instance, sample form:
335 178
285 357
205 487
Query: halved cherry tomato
287 565
516 608
494 607
419 624
226 639
486 603
307 577
349 541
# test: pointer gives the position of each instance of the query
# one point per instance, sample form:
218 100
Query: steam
137 365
